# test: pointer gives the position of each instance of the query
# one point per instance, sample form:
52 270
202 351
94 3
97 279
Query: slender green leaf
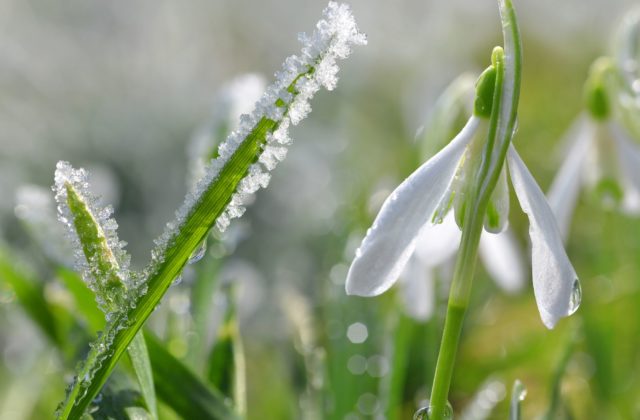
226 360
124 325
140 360
399 363
83 298
202 293
30 294
182 390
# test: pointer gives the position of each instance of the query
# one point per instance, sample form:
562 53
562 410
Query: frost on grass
283 104
99 254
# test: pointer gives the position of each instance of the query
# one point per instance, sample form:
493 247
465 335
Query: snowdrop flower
601 156
448 183
438 243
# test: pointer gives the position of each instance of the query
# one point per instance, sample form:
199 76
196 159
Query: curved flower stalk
468 178
602 156
240 168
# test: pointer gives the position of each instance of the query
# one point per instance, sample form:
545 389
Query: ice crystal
285 103
99 254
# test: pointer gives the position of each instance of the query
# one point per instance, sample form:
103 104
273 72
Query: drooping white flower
438 243
409 211
602 157
602 154
445 182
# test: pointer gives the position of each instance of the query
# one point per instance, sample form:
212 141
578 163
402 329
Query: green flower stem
504 108
456 308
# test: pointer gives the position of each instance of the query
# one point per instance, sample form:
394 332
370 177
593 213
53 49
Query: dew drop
576 297
177 280
424 413
198 253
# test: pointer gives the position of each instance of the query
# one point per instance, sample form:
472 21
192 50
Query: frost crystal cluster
99 254
284 103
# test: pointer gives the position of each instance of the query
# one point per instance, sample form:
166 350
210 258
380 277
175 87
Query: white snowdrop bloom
446 182
602 154
602 157
409 212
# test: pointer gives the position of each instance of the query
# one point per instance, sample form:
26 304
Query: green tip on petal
485 88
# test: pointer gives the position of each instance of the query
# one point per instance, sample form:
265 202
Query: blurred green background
120 87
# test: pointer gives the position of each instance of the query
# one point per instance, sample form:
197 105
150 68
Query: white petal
438 242
629 155
418 290
502 258
391 240
555 282
497 217
565 187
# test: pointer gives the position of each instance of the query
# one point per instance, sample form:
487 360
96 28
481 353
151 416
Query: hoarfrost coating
90 256
285 102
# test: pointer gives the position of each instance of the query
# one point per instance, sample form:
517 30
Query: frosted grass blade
102 260
237 171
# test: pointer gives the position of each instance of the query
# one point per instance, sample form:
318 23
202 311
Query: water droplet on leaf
424 413
198 253
177 280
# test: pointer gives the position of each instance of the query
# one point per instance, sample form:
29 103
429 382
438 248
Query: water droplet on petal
576 297
198 253
424 413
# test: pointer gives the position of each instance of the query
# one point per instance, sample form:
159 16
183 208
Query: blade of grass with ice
102 260
239 170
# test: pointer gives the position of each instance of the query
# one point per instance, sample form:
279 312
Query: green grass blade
30 294
123 326
226 360
142 366
202 292
83 298
257 145
182 390
399 362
